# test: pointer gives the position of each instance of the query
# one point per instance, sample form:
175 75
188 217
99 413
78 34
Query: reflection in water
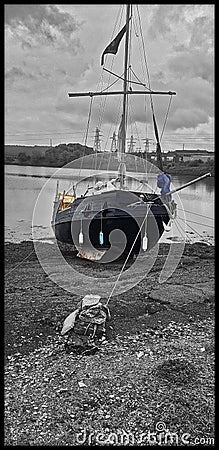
21 192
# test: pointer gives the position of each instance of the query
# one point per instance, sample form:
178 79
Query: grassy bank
184 169
173 169
157 368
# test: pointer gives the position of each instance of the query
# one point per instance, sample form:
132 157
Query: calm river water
29 189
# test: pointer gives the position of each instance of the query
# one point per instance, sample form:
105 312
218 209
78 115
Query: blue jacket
163 182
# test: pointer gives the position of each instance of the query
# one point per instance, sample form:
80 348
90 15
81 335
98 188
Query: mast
122 167
113 48
125 84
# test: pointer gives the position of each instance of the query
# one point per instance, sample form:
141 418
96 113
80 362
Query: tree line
54 156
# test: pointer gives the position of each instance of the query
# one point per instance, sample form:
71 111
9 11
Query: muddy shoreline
157 366
35 306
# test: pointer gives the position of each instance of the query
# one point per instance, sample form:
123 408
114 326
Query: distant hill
38 155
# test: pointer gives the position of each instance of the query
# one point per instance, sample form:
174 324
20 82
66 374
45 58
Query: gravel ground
151 383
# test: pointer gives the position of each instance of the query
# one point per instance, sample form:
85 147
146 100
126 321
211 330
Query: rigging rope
110 85
168 108
139 81
121 77
159 158
144 52
86 134
140 48
110 129
135 124
165 120
104 100
88 121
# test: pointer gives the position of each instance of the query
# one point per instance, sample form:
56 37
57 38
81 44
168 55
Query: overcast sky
51 50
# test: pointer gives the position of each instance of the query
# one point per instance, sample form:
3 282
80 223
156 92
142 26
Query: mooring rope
196 214
197 223
183 233
21 262
194 231
139 231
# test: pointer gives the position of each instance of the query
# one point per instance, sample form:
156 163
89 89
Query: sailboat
108 209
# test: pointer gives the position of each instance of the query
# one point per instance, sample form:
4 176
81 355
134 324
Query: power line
44 134
69 131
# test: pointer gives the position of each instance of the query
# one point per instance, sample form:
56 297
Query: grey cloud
202 33
195 58
44 23
192 50
182 117
193 104
192 64
16 73
165 18
61 72
184 24
71 106
25 45
179 47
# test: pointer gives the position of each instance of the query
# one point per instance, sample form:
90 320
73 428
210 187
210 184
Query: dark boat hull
67 225
64 232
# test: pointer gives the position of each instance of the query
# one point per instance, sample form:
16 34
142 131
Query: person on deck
163 182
